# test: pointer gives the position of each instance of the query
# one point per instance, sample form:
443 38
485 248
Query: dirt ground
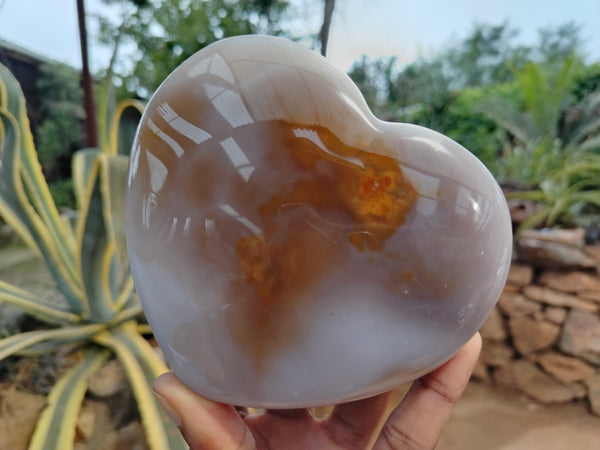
492 419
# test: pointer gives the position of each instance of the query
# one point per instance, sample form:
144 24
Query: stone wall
543 337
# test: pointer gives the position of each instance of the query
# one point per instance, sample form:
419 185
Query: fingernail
168 408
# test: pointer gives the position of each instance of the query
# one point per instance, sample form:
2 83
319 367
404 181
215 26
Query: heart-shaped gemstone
292 250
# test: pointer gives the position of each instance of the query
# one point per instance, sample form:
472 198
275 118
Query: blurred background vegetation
525 110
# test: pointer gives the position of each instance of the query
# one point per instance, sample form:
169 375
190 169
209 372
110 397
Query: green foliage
101 314
485 56
587 81
63 194
475 131
364 74
569 196
419 94
551 142
164 34
543 127
60 131
533 98
559 43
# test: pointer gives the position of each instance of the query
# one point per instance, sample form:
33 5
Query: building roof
28 56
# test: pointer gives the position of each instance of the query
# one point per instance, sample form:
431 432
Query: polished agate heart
292 250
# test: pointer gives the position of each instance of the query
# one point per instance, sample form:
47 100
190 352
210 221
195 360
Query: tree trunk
324 33
91 128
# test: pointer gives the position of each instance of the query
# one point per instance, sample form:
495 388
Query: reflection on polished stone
292 250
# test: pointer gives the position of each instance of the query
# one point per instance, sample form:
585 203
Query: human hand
416 423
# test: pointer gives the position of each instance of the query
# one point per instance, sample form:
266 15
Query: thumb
203 423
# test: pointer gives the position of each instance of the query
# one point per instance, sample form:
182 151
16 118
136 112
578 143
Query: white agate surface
290 249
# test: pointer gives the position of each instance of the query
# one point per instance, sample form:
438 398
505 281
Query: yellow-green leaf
126 294
34 306
33 177
95 248
142 366
124 125
56 426
113 181
19 213
11 197
21 341
82 166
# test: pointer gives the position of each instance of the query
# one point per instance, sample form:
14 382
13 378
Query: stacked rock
543 337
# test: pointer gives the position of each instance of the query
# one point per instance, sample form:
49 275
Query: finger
355 424
205 424
419 419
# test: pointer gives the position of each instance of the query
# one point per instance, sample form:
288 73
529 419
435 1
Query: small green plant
101 315
570 196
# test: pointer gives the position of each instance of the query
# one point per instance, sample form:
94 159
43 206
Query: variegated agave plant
86 256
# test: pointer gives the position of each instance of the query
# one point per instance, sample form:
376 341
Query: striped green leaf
47 347
96 250
11 189
18 342
36 307
142 366
31 172
81 169
19 213
57 424
124 125
126 295
113 176
131 312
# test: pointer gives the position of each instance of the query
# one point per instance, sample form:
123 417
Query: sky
407 29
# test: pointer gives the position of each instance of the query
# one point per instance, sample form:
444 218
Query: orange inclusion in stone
369 197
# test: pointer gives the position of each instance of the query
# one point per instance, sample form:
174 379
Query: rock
593 386
555 249
555 314
565 369
495 353
18 415
516 305
521 210
132 437
109 380
528 378
556 298
94 427
519 275
594 252
86 422
493 328
570 237
504 376
511 288
573 282
531 335
480 371
590 295
581 336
